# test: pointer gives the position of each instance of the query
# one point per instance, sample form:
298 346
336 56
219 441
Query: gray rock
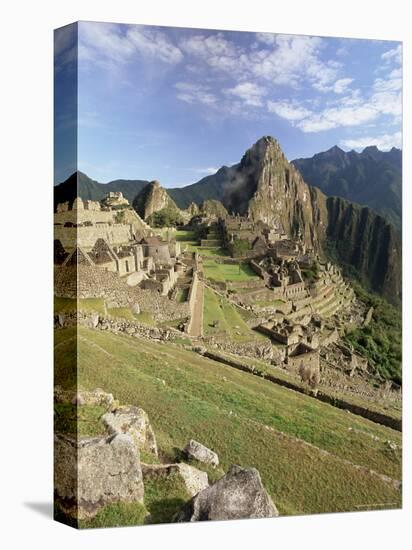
135 422
195 480
93 472
135 308
94 320
196 450
237 495
94 397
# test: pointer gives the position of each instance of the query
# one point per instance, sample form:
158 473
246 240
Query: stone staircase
213 239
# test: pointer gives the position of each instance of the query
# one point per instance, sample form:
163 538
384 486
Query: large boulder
133 421
195 480
237 495
92 472
199 452
94 397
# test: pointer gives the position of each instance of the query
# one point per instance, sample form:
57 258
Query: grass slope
241 417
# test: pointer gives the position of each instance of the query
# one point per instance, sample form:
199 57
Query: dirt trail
196 328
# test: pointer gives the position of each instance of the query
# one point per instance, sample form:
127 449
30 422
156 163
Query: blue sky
175 104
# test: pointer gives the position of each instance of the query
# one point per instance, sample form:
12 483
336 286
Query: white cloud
105 41
341 85
249 92
154 44
267 38
288 110
338 116
285 60
195 93
383 142
207 171
393 55
214 50
292 59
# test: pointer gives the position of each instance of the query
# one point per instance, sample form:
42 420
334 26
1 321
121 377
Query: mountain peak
371 149
335 150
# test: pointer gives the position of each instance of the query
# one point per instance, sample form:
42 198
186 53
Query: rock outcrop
133 421
237 495
266 187
195 480
372 178
97 397
153 198
199 452
213 209
92 472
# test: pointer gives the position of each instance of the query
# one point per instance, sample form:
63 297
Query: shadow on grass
164 510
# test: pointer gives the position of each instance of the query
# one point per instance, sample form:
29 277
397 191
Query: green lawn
65 305
241 417
184 235
230 320
227 272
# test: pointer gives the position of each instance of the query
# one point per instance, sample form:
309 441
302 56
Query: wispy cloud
393 55
290 110
383 142
120 44
195 93
249 92
205 171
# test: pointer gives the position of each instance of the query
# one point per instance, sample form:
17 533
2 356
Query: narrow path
196 325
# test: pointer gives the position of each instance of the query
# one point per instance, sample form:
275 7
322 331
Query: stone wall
309 358
93 282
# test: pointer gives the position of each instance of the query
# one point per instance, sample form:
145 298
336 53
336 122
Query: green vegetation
184 235
116 515
221 317
240 247
164 497
373 178
78 421
240 416
167 217
181 295
121 313
146 318
88 305
311 273
381 341
227 272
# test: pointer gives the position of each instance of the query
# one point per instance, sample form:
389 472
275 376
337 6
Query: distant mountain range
80 185
265 186
372 178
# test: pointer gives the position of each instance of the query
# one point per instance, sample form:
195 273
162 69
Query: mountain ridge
371 178
266 186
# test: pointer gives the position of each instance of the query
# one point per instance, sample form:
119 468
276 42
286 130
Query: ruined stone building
110 236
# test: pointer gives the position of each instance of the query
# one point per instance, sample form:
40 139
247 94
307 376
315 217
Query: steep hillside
267 187
153 204
79 184
210 187
312 457
372 178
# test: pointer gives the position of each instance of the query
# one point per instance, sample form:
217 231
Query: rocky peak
280 197
151 199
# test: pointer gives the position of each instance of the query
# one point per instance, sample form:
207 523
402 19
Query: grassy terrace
227 272
282 374
241 416
230 320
